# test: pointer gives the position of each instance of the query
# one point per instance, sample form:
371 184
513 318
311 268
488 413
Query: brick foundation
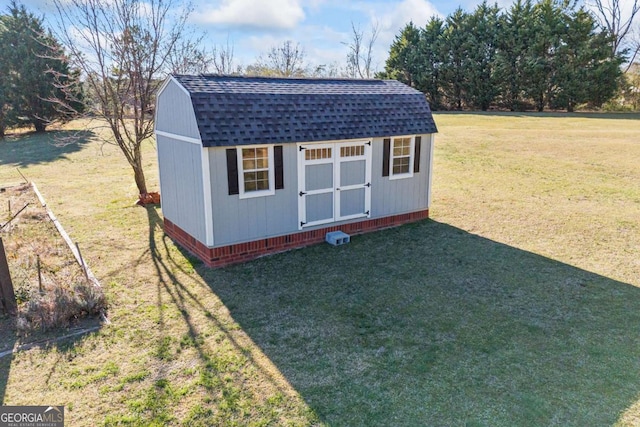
241 252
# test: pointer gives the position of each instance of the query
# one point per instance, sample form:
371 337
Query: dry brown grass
51 288
516 305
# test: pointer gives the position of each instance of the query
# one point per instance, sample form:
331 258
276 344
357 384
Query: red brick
233 254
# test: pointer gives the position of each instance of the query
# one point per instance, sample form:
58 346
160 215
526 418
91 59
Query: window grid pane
401 155
352 151
255 165
317 153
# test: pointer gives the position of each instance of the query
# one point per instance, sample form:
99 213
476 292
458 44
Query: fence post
82 264
7 295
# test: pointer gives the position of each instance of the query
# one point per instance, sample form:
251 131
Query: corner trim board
430 166
179 137
208 203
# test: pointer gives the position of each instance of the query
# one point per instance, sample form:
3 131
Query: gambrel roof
235 110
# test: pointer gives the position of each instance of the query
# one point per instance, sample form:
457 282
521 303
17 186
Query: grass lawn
516 304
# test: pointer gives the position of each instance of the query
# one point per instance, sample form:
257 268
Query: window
401 159
401 156
255 170
352 151
317 153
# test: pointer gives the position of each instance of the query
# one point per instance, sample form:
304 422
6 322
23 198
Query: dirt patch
51 289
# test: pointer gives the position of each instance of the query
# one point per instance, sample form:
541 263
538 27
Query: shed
256 165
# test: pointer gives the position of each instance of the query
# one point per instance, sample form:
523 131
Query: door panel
352 173
319 207
334 182
319 177
352 202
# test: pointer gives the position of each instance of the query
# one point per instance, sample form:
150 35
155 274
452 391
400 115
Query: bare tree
360 56
188 57
123 49
222 57
286 60
620 23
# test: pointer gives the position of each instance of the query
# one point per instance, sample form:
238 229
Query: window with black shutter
255 170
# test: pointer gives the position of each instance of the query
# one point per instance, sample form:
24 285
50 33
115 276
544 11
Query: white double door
334 182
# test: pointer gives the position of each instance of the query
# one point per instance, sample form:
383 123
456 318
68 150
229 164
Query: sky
321 27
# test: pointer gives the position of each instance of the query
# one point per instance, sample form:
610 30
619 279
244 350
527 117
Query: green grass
516 304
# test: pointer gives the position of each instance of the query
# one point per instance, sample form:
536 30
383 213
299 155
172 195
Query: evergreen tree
548 30
482 34
586 72
4 85
430 53
513 39
404 62
455 55
35 69
533 55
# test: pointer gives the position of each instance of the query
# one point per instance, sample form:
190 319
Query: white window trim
272 175
412 155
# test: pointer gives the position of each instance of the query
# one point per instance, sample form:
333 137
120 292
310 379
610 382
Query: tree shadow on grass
42 147
179 288
427 324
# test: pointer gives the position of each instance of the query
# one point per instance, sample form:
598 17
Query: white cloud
273 14
391 18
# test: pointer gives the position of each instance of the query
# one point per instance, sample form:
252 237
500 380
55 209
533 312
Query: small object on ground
337 238
149 199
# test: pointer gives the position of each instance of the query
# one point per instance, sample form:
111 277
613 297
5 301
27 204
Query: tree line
108 59
34 73
547 54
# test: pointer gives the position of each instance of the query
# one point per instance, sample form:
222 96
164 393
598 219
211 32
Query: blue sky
321 27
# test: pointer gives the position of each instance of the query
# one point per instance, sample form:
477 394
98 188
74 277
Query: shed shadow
427 324
42 147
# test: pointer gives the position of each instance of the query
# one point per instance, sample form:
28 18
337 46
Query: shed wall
398 196
175 113
181 185
240 220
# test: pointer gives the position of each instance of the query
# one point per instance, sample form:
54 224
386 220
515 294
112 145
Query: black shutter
386 152
416 155
279 168
232 171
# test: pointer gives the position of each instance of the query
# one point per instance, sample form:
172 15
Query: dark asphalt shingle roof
234 110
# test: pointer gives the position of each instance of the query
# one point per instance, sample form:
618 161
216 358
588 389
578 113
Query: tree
403 63
515 27
360 56
612 17
548 32
586 73
222 57
124 48
480 87
34 70
4 84
285 60
454 44
429 78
